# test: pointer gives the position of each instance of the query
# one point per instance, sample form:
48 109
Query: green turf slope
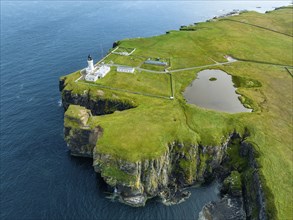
145 131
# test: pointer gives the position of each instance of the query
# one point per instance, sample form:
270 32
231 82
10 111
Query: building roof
101 70
155 62
125 68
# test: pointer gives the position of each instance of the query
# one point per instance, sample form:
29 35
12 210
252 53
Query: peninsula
129 114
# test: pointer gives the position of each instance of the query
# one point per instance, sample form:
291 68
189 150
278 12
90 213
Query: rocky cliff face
180 166
97 104
82 141
242 193
255 204
80 138
227 208
134 182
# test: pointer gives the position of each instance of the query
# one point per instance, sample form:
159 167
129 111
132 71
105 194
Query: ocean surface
41 41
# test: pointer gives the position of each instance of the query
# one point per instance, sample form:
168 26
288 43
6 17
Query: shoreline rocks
228 207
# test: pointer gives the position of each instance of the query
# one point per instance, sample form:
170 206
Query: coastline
99 169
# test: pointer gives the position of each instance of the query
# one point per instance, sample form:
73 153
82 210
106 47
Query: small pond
214 89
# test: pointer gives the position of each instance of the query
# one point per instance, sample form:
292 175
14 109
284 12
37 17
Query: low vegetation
145 131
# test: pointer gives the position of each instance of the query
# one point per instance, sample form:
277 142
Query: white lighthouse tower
90 63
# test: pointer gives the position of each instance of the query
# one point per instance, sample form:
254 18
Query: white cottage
98 73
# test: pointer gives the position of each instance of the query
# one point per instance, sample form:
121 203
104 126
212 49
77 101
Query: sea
43 40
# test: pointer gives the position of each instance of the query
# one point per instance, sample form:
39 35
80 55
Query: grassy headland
263 82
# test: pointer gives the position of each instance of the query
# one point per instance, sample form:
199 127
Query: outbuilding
125 69
156 62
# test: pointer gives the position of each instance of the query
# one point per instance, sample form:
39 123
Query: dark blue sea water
41 41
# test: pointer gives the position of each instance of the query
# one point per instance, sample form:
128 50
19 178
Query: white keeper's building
95 73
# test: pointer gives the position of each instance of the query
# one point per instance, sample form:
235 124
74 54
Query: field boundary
291 74
255 25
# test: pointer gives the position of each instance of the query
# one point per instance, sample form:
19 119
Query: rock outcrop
80 138
227 208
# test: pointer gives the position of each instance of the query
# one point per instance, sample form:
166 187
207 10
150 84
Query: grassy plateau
263 45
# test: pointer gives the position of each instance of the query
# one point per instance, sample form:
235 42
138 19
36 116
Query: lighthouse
95 72
90 63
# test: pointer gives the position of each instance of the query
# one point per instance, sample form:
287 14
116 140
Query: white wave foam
60 103
30 99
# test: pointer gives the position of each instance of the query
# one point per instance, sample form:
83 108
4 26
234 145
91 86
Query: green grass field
145 131
142 82
125 60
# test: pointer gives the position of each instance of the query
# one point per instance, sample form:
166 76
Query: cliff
79 136
134 182
97 103
181 165
242 190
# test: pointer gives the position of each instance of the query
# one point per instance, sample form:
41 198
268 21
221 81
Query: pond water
214 89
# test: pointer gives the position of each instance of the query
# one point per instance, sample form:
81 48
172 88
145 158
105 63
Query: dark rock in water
228 208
